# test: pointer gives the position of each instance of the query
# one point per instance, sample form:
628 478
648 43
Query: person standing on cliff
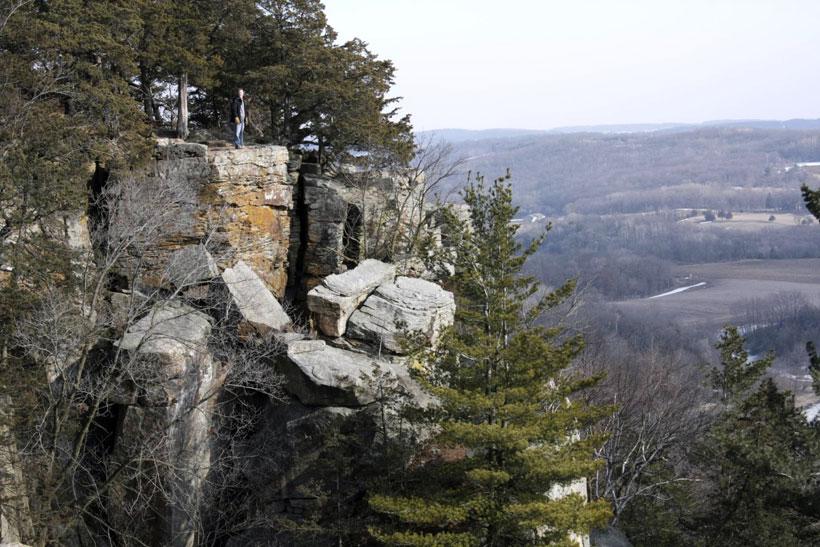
238 115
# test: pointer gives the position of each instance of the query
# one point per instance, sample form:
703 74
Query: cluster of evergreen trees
750 479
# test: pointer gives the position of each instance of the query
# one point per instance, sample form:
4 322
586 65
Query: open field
801 270
726 286
752 221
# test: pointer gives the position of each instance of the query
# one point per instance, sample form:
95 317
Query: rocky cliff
244 323
255 276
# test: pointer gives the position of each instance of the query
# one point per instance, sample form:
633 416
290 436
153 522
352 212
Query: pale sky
533 64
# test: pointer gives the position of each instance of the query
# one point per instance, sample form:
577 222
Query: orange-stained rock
240 210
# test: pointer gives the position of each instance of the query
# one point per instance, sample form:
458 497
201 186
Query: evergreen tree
309 90
812 200
506 423
814 366
761 460
65 105
736 374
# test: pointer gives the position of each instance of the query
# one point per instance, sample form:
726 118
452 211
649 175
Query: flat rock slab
256 304
191 265
339 295
171 329
409 305
321 375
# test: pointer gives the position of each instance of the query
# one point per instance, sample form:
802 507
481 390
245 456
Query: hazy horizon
541 65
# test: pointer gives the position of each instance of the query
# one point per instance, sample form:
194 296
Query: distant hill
735 166
462 135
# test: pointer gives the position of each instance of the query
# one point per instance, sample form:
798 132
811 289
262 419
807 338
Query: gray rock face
256 304
238 200
327 212
191 265
409 305
339 295
321 375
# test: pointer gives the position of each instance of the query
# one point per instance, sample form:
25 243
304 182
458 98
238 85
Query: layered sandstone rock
410 305
249 197
326 212
342 214
339 295
237 202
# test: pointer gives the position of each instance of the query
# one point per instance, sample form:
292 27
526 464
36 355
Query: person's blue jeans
239 134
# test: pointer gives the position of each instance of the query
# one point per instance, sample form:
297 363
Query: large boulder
408 305
339 295
167 346
322 375
255 303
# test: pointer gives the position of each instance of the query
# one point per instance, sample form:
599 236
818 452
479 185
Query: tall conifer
506 426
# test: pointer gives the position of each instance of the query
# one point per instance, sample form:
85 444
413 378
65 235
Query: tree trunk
182 113
147 95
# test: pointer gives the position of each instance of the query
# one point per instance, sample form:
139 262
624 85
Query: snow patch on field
678 290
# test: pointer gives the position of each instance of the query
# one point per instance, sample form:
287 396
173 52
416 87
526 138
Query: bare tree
397 204
84 379
659 412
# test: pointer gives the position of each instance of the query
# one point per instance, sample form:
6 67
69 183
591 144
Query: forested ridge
345 352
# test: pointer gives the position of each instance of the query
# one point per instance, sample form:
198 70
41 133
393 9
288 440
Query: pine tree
310 90
506 421
760 461
736 374
814 366
812 200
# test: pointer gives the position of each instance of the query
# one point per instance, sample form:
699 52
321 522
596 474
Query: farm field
752 221
723 287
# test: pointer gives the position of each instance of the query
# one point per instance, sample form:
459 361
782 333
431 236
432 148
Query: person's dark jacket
236 104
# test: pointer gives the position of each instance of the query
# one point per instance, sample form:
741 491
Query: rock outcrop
202 295
236 202
168 420
337 297
410 305
323 231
